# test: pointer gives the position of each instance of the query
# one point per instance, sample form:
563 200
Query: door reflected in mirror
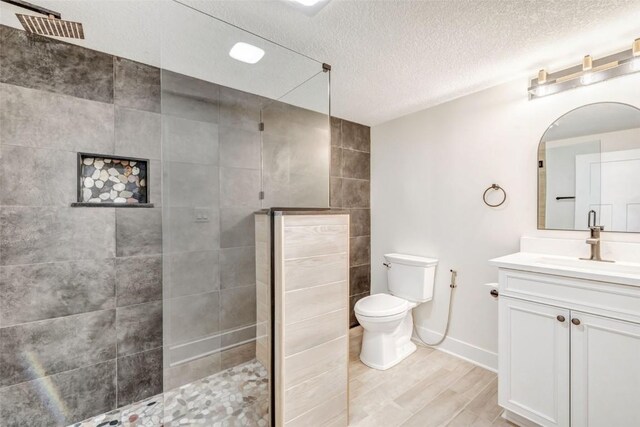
589 162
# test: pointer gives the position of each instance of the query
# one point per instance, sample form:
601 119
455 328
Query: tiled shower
104 307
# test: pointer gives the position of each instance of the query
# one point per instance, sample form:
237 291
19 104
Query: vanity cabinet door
534 361
605 371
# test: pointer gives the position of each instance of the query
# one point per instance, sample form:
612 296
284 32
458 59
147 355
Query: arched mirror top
589 161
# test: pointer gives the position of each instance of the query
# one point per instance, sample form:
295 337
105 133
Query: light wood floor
429 388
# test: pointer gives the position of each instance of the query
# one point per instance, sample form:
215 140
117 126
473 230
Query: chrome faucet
594 242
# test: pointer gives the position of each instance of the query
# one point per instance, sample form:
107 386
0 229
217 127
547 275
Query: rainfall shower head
49 25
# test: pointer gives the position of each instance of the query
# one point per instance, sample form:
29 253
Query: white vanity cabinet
569 349
605 371
534 366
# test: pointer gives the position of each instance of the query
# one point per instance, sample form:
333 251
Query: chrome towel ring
494 187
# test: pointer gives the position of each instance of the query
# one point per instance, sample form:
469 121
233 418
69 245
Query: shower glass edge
219 168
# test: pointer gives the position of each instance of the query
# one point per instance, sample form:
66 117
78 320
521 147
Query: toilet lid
380 305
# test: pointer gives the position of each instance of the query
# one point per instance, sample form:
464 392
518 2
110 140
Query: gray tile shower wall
349 189
295 156
211 152
93 300
44 64
80 288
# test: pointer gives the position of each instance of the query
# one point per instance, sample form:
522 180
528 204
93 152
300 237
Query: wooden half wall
311 290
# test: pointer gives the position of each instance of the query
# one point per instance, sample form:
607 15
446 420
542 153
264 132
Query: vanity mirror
589 165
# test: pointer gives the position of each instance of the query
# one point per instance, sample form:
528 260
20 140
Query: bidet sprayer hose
452 286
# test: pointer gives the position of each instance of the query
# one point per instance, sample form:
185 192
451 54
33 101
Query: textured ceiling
391 58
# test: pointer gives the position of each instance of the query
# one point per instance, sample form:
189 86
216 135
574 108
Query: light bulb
542 90
586 78
587 66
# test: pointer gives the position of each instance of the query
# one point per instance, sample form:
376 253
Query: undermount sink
613 272
624 268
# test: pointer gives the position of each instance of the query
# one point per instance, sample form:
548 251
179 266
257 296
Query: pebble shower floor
238 396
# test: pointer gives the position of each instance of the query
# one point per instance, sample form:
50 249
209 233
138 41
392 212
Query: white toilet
386 318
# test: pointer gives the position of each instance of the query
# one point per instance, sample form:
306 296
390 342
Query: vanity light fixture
589 72
542 77
246 52
541 89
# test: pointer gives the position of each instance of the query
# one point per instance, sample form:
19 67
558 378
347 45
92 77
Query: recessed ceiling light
307 2
308 7
246 52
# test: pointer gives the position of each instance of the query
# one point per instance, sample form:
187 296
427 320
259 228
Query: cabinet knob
575 321
494 293
560 318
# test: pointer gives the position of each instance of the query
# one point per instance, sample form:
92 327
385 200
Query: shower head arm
34 8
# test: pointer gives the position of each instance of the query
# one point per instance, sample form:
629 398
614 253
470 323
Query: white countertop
624 273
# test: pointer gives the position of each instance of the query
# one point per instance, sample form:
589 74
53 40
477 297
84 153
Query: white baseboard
476 355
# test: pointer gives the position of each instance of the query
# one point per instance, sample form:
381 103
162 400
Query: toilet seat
381 305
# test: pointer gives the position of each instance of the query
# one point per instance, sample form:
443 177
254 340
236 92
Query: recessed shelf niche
111 181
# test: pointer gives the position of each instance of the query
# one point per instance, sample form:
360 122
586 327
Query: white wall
428 173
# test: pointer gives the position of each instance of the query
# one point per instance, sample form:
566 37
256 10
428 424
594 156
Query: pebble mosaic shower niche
112 181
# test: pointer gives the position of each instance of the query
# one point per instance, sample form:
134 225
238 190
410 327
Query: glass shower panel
211 188
296 146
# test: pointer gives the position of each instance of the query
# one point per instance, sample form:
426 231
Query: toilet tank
411 277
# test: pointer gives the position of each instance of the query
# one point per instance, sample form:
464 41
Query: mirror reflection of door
589 160
614 178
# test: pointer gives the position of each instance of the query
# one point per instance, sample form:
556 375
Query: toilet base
403 353
383 348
